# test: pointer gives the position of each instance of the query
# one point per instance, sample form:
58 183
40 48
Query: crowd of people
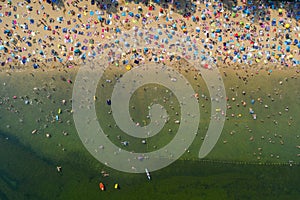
42 33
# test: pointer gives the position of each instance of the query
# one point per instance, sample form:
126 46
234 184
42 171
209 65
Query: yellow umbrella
287 25
128 67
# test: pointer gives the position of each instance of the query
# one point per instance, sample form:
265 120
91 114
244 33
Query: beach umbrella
108 22
118 30
127 44
77 51
198 29
35 66
273 22
288 41
78 44
128 67
131 14
287 26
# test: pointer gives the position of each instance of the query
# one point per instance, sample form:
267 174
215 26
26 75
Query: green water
25 175
29 161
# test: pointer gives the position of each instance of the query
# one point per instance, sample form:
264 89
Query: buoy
101 186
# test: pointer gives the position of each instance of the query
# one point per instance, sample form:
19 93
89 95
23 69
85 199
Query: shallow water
29 161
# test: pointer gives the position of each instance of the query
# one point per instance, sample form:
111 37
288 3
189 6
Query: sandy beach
41 35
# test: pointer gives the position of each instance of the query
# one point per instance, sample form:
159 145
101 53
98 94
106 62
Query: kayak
116 186
101 186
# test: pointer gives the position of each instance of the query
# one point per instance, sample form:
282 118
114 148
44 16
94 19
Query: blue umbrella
35 66
77 51
127 44
131 14
288 42
118 30
296 41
